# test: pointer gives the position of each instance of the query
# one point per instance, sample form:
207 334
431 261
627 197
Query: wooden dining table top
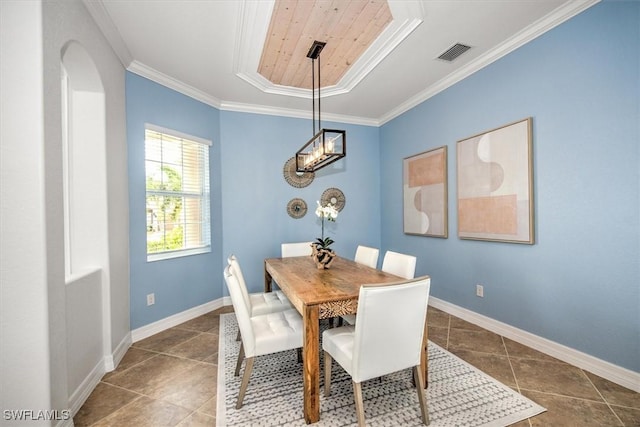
335 289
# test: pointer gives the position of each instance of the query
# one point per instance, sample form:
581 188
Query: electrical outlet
480 291
151 299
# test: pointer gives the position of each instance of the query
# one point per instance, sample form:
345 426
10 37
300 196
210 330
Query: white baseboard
108 363
81 394
617 374
174 320
111 361
65 423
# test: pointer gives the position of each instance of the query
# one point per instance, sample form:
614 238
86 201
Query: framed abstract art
425 193
495 184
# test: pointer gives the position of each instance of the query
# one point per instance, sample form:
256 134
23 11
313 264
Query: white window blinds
177 192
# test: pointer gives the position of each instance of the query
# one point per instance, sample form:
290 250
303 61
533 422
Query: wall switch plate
480 291
151 299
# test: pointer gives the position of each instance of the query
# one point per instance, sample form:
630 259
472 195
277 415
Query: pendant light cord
313 95
319 97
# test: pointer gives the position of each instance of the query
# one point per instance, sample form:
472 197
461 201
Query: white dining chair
263 334
387 338
258 302
399 264
295 249
395 263
367 256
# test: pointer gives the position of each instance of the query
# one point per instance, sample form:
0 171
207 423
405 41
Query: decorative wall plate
294 178
333 196
297 208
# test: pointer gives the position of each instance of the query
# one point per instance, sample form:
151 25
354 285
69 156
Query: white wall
84 345
33 311
24 333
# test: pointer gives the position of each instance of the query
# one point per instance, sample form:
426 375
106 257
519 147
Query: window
177 191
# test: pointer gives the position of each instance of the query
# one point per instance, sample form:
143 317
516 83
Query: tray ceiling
226 53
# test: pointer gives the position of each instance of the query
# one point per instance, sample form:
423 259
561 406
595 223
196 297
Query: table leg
267 279
311 370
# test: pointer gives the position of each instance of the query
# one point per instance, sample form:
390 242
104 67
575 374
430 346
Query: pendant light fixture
328 145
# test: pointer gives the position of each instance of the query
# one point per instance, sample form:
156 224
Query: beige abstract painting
425 193
495 185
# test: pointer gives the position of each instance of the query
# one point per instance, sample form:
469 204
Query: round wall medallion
294 178
297 208
333 196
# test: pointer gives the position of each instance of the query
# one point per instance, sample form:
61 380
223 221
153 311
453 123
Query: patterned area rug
458 393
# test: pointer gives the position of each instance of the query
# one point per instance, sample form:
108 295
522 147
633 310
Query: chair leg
357 396
245 381
240 358
327 374
238 336
424 407
299 351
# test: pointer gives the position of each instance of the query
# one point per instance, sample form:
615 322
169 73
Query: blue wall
180 283
255 193
579 285
249 196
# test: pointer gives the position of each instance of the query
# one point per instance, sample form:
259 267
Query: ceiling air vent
454 51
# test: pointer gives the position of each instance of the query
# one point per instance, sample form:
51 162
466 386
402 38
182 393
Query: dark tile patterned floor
169 379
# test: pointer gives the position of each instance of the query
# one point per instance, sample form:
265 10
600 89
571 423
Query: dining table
323 294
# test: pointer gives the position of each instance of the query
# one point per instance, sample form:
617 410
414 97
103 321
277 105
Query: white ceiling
209 50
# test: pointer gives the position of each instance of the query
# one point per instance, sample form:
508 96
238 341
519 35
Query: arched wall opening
85 219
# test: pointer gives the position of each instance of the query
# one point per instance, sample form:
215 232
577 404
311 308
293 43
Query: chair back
390 328
234 268
295 249
241 311
399 264
367 256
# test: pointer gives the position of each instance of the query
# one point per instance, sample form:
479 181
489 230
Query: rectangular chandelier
324 148
328 145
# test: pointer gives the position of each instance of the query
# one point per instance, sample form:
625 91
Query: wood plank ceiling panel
348 27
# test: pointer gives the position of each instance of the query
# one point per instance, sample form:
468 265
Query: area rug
458 393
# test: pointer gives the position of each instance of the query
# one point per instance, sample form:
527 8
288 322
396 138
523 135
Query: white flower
328 211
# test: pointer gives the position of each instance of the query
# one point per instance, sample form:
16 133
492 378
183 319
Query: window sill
177 254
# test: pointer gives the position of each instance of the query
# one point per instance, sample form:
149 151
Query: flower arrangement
330 213
322 253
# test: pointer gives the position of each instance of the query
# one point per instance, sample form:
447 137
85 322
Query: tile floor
169 379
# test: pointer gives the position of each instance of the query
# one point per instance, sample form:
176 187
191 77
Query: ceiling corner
102 18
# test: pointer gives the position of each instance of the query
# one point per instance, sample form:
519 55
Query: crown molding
299 114
167 81
175 84
247 35
102 18
560 15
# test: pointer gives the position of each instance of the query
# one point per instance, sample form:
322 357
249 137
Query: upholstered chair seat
261 334
258 302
